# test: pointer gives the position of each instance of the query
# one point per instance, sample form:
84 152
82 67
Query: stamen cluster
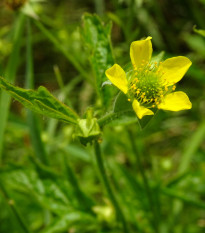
147 85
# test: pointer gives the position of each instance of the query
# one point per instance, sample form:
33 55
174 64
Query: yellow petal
141 51
174 69
175 101
140 110
118 77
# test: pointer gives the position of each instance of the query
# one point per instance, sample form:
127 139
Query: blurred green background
43 196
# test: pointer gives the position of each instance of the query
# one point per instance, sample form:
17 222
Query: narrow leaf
10 74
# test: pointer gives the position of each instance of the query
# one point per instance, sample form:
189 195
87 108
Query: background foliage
48 181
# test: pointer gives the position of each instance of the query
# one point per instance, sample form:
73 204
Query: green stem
107 185
83 200
68 55
136 151
14 209
106 119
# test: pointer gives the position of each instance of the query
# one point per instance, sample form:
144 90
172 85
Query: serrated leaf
97 38
41 101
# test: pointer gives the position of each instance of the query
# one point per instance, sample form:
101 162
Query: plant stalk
83 199
155 221
107 185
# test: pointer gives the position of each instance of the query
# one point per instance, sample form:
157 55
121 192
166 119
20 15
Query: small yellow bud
138 91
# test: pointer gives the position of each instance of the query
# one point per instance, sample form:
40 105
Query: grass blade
10 76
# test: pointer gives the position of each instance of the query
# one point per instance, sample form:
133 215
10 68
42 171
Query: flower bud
88 130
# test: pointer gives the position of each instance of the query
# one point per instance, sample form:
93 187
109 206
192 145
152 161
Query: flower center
147 85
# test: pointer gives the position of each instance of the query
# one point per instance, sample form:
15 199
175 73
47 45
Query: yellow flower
150 84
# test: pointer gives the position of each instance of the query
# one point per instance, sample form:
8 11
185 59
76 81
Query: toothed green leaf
41 101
